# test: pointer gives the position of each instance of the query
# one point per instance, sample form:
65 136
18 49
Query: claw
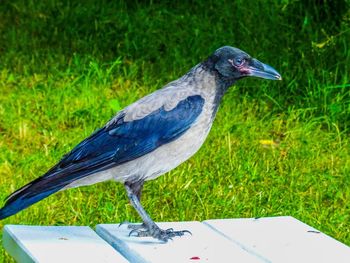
134 231
186 231
139 233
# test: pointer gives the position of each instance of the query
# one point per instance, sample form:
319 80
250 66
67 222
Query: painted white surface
282 239
51 244
204 245
276 239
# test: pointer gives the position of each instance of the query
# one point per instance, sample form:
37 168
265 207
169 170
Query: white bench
274 239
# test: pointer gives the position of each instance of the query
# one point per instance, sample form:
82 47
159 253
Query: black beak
261 70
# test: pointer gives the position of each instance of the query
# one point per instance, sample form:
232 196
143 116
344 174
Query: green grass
276 148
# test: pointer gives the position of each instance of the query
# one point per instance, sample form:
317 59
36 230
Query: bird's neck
207 81
222 82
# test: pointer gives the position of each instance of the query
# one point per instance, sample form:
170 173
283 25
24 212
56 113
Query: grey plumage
148 138
169 156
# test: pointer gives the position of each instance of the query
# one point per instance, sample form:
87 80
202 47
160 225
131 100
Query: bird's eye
239 61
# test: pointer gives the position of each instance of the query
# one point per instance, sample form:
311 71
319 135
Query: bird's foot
137 226
154 231
132 225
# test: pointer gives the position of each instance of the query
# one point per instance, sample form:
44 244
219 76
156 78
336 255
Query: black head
233 64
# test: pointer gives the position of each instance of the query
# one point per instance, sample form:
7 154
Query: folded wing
116 143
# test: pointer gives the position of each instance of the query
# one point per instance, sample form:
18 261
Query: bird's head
233 64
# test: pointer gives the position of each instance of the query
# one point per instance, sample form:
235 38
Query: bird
148 138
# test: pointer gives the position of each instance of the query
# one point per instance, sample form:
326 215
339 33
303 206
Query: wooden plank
282 239
204 245
51 244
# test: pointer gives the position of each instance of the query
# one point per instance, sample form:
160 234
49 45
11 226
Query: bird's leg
137 189
148 227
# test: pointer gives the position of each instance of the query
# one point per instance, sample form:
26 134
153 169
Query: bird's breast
169 155
172 154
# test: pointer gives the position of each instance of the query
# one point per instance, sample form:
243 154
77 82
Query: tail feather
23 202
51 182
32 193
